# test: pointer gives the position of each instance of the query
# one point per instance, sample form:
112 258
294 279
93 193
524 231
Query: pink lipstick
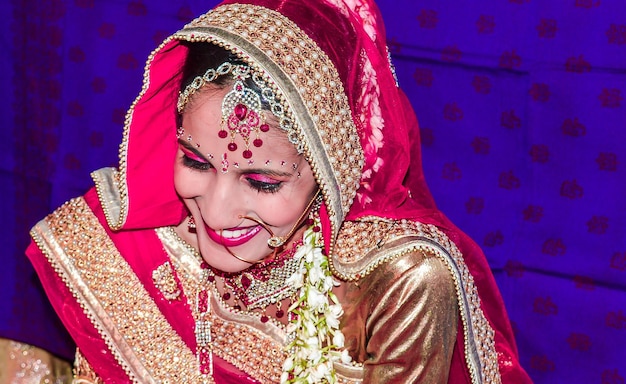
233 237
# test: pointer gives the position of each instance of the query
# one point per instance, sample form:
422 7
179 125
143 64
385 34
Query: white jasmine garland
315 339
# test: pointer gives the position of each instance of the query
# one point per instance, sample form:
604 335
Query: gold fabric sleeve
83 373
26 364
402 320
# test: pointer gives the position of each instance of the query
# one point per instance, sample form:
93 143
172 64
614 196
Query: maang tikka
242 108
242 114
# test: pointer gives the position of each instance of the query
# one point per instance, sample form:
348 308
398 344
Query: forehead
203 120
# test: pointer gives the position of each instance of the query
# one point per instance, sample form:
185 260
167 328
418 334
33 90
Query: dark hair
202 56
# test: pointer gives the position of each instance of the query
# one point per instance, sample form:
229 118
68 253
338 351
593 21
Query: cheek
184 182
284 211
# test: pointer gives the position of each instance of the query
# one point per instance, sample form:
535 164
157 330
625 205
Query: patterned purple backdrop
523 117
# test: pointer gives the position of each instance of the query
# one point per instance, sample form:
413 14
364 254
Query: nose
223 202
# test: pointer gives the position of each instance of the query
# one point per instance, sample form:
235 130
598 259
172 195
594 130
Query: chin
224 261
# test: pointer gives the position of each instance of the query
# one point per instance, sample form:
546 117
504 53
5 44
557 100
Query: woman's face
220 187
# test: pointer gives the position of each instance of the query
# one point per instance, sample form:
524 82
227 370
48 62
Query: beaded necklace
300 274
261 285
257 287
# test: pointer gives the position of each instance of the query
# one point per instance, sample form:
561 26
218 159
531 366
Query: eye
193 161
263 183
195 164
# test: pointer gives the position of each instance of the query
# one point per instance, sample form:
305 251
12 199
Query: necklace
262 284
204 337
313 307
259 286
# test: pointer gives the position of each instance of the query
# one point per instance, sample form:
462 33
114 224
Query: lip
233 236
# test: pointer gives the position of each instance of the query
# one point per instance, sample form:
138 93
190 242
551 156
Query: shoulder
78 208
407 278
412 272
374 245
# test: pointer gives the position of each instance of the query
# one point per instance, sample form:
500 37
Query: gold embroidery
357 255
239 338
164 280
130 323
250 351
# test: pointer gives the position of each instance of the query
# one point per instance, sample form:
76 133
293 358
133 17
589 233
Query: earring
191 223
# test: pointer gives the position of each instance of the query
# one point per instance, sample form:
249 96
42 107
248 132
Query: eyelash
256 185
261 186
195 164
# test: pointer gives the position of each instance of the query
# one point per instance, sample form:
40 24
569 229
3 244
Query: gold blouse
401 320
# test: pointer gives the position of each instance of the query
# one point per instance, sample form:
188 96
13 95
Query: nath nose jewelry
278 241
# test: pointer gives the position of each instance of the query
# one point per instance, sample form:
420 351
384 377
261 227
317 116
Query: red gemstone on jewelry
280 313
204 356
241 111
232 147
245 281
226 296
222 133
211 278
203 301
247 154
237 307
257 142
264 319
264 127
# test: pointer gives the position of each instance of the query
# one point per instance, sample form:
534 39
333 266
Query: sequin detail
239 337
357 256
113 298
265 284
165 281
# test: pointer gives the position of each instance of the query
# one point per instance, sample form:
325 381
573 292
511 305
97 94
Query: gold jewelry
238 257
241 104
204 337
278 241
264 283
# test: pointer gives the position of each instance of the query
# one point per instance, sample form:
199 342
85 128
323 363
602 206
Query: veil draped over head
361 137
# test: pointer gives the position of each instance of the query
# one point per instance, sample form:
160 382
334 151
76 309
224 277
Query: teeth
234 234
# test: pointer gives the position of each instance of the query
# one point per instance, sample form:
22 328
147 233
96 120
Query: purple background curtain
523 117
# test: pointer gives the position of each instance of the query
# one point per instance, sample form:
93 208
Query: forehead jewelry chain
242 106
242 114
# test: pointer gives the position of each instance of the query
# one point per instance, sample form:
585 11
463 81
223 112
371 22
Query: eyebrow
190 147
260 171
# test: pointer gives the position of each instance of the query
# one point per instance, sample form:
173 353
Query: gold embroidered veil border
358 254
113 298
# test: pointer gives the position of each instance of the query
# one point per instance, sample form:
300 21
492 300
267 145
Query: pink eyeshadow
192 155
262 178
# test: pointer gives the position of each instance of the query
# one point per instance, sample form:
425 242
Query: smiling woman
238 201
261 226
